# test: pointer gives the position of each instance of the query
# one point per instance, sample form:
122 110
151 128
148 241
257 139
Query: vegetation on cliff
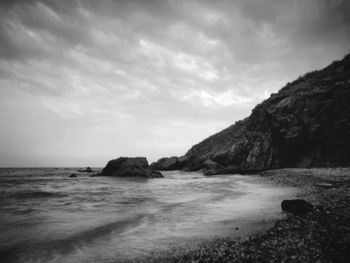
305 124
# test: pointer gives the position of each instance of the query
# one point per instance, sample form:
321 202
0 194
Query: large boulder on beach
296 206
130 166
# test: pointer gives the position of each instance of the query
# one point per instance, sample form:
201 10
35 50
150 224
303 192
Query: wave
103 230
135 200
35 194
45 250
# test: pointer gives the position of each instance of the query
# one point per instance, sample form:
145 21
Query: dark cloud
149 77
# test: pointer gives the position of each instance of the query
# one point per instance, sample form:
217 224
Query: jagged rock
72 176
296 206
306 124
167 163
125 167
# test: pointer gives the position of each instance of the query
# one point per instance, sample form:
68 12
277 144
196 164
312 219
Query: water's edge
48 217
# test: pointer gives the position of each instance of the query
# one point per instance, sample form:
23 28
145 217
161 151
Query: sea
46 216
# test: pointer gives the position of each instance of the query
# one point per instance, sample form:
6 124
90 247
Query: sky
83 82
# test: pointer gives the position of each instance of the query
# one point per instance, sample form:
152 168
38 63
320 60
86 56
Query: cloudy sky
82 82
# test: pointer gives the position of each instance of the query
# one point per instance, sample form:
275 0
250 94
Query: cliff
305 124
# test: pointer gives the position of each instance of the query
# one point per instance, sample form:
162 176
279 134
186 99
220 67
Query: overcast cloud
82 82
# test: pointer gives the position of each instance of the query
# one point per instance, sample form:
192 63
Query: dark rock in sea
125 167
306 124
86 170
167 163
72 176
296 206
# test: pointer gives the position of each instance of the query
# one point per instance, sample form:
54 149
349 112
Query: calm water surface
47 217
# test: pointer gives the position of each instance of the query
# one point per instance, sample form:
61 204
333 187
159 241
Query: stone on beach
296 206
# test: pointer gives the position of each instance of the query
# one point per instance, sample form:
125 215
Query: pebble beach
322 235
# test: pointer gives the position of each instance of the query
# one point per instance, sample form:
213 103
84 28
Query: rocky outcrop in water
126 167
305 124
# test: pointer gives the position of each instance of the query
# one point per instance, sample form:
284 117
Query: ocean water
45 216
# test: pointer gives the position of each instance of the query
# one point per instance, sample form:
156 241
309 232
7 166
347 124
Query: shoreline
323 235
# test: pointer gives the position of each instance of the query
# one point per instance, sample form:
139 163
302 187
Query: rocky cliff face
306 124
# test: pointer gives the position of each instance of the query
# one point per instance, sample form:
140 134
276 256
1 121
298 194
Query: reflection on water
47 217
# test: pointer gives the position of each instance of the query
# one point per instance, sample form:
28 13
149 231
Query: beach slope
323 235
